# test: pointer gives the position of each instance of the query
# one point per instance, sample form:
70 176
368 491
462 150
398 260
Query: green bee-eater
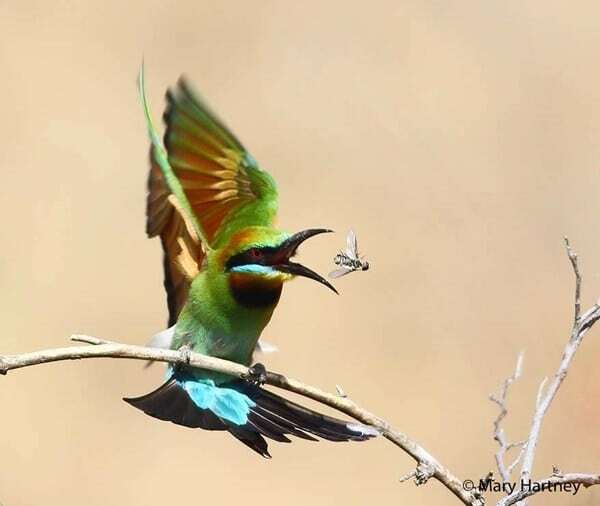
225 264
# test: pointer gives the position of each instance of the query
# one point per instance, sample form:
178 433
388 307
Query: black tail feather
252 439
285 426
295 424
266 428
272 416
172 403
266 425
308 420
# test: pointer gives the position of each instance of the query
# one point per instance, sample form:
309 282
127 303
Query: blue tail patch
226 403
247 411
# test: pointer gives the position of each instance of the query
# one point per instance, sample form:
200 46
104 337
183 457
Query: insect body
350 260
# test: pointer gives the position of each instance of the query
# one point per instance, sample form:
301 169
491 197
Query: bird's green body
214 322
225 265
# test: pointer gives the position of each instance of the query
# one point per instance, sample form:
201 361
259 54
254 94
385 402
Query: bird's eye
255 253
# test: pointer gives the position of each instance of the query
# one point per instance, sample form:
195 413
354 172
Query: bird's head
258 257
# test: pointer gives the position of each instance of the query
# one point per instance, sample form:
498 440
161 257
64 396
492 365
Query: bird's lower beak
288 249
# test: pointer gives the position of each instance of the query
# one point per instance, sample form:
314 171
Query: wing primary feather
161 158
218 126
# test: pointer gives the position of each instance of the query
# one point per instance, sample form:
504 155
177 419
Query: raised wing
183 253
223 183
351 245
203 186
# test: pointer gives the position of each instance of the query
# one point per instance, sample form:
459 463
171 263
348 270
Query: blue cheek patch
263 270
226 403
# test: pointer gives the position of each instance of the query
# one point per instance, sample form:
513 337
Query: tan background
460 139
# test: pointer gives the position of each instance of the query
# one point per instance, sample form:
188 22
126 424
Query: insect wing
338 273
352 245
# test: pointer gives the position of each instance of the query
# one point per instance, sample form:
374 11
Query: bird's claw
185 351
257 374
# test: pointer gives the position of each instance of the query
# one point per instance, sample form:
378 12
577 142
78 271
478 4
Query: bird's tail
247 411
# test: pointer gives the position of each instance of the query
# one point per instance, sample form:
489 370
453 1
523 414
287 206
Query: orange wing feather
207 159
183 253
223 185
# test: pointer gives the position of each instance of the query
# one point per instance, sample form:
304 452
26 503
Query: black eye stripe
254 255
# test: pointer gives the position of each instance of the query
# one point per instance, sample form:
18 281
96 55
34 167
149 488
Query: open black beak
288 249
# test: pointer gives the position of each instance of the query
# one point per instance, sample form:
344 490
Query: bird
225 264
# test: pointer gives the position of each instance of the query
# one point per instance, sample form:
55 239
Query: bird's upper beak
288 249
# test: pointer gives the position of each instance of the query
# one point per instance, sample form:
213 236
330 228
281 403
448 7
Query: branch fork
546 393
428 467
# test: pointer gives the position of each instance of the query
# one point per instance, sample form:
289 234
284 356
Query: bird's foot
257 374
185 352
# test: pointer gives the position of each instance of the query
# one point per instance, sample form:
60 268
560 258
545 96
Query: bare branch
539 397
573 258
422 473
340 391
549 484
515 463
499 435
427 466
582 323
408 476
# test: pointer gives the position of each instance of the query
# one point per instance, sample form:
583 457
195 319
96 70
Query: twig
408 476
573 258
515 463
499 435
582 323
538 399
427 465
549 484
